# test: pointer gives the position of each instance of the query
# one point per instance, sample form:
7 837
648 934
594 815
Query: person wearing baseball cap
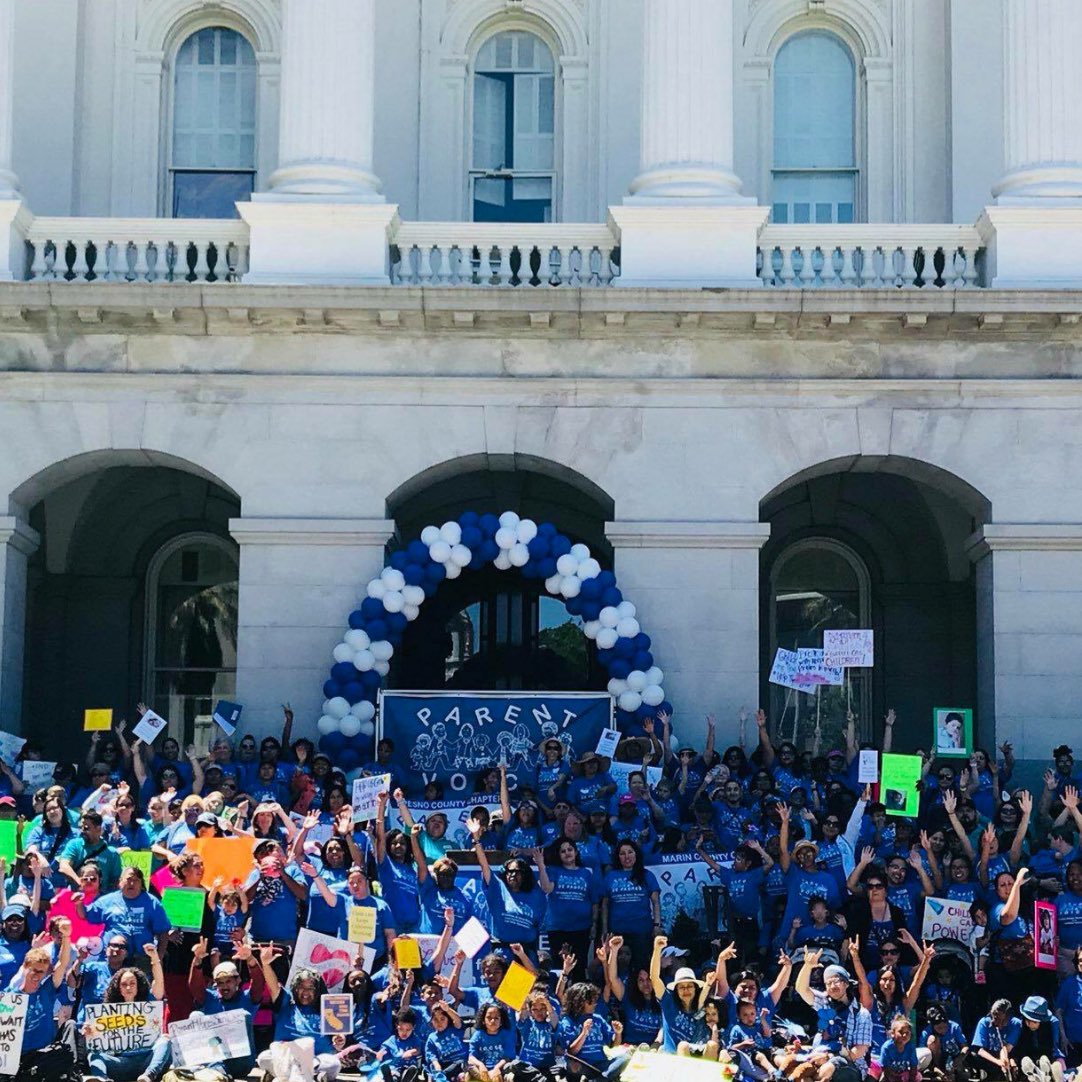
802 878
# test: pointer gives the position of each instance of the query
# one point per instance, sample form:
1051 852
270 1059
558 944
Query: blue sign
449 736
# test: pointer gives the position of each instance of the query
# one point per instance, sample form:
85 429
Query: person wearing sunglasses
47 1050
873 918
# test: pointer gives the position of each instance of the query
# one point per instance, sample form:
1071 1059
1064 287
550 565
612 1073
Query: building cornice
687 535
1024 537
312 531
17 534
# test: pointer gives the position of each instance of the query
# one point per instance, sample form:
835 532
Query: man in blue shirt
42 984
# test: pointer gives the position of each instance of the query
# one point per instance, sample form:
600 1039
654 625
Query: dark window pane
210 195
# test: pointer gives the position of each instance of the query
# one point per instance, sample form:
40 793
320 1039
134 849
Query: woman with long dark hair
573 895
639 1005
631 902
50 836
515 901
397 872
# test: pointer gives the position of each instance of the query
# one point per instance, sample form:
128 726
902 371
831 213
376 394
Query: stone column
1029 636
696 587
299 581
684 222
9 182
1033 232
17 542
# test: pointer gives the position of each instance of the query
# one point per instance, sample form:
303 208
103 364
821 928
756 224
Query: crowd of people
812 966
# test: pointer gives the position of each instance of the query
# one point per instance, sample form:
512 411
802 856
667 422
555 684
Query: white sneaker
1030 1070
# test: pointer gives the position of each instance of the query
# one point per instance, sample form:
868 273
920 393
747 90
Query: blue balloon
356 620
619 668
607 579
372 608
333 744
561 546
489 550
396 622
624 717
611 596
477 560
347 759
574 606
468 520
538 547
399 559
664 708
642 641
414 574
430 588
591 610
370 679
489 524
591 589
417 550
529 569
605 657
643 659
353 691
377 630
547 529
331 688
644 712
370 695
547 567
624 648
435 572
343 672
472 537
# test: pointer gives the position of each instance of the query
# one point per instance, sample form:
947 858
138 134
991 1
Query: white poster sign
210 1039
848 649
868 766
606 743
366 795
622 771
784 669
123 1027
811 670
946 919
10 746
150 727
37 773
682 877
331 958
12 1025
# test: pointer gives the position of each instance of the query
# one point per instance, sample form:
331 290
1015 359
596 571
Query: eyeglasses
832 822
121 806
876 886
889 950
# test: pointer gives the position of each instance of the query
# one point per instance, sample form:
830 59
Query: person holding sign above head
397 870
381 929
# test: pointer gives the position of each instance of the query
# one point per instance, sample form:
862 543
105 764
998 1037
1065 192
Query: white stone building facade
774 303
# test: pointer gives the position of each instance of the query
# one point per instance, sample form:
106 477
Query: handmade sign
230 858
407 952
37 773
82 931
471 937
898 785
515 986
366 795
142 859
449 737
362 924
97 721
784 669
331 958
210 1038
848 649
1046 935
811 670
123 1027
150 726
868 767
606 743
952 731
8 840
622 771
227 715
336 1015
10 746
12 1025
185 906
946 919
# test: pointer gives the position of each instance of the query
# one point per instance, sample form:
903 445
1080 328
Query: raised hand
267 953
728 954
150 950
783 812
1070 797
950 802
811 958
867 855
616 942
1025 802
891 717
568 964
660 942
760 718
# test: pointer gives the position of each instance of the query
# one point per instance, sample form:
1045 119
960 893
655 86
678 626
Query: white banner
849 649
622 771
682 877
123 1027
210 1039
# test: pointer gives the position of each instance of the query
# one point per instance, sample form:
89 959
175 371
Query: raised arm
918 866
197 768
856 818
660 943
950 806
765 747
803 978
863 987
1025 802
505 797
266 960
784 857
927 954
418 852
711 735
1010 907
888 731
325 892
543 880
287 725
381 826
781 981
612 976
475 829
721 970
852 748
157 975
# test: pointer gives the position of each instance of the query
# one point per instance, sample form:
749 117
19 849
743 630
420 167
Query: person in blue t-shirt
996 1034
492 1046
516 903
537 1022
573 896
436 888
750 1038
402 1054
43 984
446 1053
942 1041
631 901
897 1058
682 1022
273 893
358 896
583 1034
802 880
743 883
131 911
640 1008
593 783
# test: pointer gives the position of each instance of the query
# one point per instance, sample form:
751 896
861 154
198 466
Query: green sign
184 906
143 859
8 829
898 784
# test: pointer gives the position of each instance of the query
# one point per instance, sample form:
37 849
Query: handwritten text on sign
123 1027
848 649
12 1025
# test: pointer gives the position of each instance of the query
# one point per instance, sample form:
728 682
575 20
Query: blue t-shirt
802 886
677 1025
629 902
401 891
537 1043
96 976
292 1022
1069 922
40 1028
445 1047
225 924
492 1048
384 920
739 1033
516 915
141 919
402 1051
593 1048
952 1040
1069 1001
570 904
909 898
991 1039
640 1023
434 901
891 1057
273 910
743 889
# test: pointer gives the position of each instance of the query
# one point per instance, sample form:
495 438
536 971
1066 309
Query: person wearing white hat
682 1023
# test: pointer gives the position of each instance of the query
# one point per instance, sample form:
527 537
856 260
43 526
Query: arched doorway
880 544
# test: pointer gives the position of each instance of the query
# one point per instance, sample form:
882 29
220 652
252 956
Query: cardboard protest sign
210 1039
515 986
230 858
848 649
952 731
37 773
143 859
898 784
227 715
1046 935
868 767
336 1015
97 721
150 726
366 795
946 919
331 958
784 670
472 937
10 746
362 924
812 670
407 952
606 743
12 1026
185 906
123 1027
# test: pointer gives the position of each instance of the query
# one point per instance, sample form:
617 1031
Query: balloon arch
539 551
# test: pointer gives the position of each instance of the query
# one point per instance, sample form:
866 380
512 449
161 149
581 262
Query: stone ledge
311 531
21 537
1024 537
687 535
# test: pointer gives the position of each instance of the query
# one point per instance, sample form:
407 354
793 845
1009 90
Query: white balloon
519 555
363 660
503 561
393 601
589 569
608 616
413 595
567 564
460 555
336 707
327 725
363 710
343 652
636 680
358 639
654 675
630 701
505 537
552 583
349 725
625 610
617 687
453 570
570 586
580 552
367 728
606 638
411 612
627 628
382 651
393 579
526 530
430 535
383 668
591 628
510 520
653 695
451 532
377 588
440 551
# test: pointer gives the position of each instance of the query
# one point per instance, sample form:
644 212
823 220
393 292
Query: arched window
212 163
191 632
818 584
514 114
815 173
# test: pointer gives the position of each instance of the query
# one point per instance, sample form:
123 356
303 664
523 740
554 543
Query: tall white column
17 543
328 100
687 102
9 182
1042 90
